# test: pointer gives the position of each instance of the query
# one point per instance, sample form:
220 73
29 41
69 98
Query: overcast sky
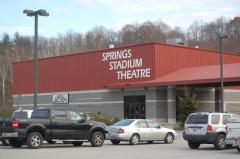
83 15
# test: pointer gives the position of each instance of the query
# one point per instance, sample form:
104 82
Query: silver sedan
137 130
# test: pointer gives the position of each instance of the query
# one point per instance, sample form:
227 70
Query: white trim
81 99
70 92
232 102
85 91
161 101
202 102
96 103
76 103
231 90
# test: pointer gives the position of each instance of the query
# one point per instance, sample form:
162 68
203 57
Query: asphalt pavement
177 150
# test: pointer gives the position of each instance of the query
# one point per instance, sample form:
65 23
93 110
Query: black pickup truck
53 124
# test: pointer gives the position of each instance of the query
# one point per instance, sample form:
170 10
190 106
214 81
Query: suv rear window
20 115
197 119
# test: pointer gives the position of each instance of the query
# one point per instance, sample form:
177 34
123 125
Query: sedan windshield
124 122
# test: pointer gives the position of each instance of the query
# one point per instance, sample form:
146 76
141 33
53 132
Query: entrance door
134 107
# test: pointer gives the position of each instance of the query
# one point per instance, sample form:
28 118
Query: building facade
137 81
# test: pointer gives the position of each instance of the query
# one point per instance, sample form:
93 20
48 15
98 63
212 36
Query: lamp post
221 37
32 13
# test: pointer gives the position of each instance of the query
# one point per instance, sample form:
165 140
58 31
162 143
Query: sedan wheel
169 138
134 139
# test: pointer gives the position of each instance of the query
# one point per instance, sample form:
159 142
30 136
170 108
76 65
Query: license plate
10 134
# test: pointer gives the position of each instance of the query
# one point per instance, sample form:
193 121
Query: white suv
207 128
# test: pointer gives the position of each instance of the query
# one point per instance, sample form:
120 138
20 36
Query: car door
143 130
79 127
155 131
60 125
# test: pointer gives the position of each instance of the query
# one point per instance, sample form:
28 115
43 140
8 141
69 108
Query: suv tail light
209 128
120 131
15 124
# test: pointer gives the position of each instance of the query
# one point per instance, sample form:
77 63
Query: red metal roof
194 75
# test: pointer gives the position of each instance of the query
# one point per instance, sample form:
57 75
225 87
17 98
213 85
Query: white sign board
60 98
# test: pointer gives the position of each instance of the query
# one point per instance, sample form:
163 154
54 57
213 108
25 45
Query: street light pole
222 108
31 13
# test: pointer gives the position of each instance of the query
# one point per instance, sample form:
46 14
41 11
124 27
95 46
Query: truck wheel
16 143
5 142
193 145
115 142
220 143
34 140
238 148
134 140
97 139
77 143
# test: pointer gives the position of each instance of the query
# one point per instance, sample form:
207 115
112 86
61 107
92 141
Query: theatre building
135 81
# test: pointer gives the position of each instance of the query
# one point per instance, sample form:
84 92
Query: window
59 114
74 116
142 124
197 119
20 115
236 118
215 119
152 124
40 113
225 119
123 122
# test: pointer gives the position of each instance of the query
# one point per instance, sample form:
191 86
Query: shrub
5 111
106 120
187 104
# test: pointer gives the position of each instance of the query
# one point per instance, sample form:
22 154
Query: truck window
40 113
74 116
59 114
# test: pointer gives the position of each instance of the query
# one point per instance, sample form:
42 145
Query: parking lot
178 149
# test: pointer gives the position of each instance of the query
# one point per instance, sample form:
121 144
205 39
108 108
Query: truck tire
16 143
97 139
5 142
34 140
115 142
77 143
238 148
220 143
193 145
